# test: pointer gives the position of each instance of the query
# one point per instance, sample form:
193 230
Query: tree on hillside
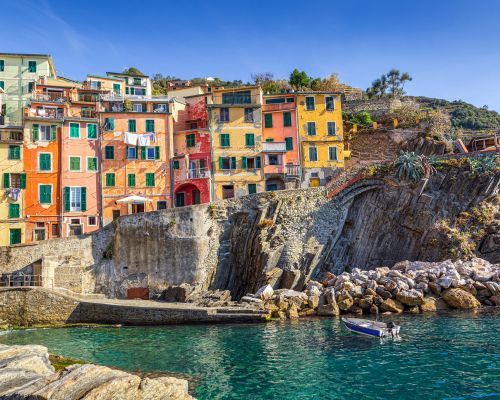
389 85
160 83
268 84
132 71
299 80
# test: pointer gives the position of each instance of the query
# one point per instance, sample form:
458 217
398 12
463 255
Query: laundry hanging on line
130 138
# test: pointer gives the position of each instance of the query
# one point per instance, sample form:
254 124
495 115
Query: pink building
280 146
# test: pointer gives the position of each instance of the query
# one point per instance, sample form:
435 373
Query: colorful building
191 162
135 85
280 145
236 134
136 149
115 85
319 121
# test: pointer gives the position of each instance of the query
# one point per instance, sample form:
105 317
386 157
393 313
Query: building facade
319 121
236 132
280 145
135 85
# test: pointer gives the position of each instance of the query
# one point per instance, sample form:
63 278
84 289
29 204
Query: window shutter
258 163
244 162
220 162
233 162
35 132
287 119
66 199
22 179
6 180
157 152
143 153
289 143
83 199
53 132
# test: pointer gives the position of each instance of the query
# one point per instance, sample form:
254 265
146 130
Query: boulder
435 288
265 292
493 287
428 304
251 300
292 312
273 277
313 291
392 306
289 278
356 310
385 294
345 301
328 310
459 298
413 310
445 282
374 309
365 302
329 295
370 292
495 300
410 297
313 301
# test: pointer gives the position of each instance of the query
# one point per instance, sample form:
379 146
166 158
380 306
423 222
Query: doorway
227 191
196 196
116 214
180 199
137 208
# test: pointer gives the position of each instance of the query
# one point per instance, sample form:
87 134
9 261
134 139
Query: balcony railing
44 113
11 137
273 147
198 173
57 97
87 97
274 169
84 114
293 170
279 107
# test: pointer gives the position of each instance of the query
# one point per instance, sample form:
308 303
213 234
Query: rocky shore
409 286
26 373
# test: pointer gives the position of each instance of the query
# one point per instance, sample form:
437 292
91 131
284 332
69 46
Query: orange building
136 149
280 146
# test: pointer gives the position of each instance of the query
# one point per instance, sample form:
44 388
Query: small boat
371 328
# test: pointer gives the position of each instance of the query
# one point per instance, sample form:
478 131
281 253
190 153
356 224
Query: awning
133 200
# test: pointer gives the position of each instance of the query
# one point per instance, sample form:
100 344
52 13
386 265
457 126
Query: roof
124 74
318 92
198 95
280 94
236 89
106 77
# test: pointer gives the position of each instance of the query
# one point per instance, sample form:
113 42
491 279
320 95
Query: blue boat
371 328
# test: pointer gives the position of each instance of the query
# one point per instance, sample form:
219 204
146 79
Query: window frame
41 131
30 63
191 140
308 123
336 153
88 137
226 111
135 125
72 124
333 102
135 152
289 141
247 136
285 125
106 152
309 153
129 176
328 128
79 163
313 103
12 207
149 175
268 120
40 159
254 185
88 220
148 148
73 189
225 135
148 125
110 174
96 164
14 155
248 115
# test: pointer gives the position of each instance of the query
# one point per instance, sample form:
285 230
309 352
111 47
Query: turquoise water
453 356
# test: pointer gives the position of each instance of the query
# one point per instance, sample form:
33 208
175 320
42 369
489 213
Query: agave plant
484 164
409 165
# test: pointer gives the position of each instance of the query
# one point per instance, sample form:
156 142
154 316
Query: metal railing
45 113
279 107
50 97
12 280
293 170
198 173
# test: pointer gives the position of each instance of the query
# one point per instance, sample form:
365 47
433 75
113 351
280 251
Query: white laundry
144 140
117 134
131 138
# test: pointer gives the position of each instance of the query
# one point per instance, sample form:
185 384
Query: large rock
328 309
495 300
459 298
177 293
365 302
493 287
345 301
265 292
289 278
392 306
410 297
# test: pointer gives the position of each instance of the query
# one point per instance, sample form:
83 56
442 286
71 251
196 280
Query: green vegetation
132 71
484 164
362 119
412 166
389 85
61 362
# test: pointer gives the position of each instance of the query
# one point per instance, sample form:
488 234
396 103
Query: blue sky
450 47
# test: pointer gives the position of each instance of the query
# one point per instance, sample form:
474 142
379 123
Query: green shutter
110 179
249 139
14 210
150 125
175 164
44 162
150 179
287 119
83 199
91 131
225 140
157 152
109 152
252 188
74 163
143 153
53 132
131 125
15 236
22 180
220 162
66 199
233 162
109 124
35 132
289 143
244 162
258 163
131 180
45 195
6 180
14 152
268 120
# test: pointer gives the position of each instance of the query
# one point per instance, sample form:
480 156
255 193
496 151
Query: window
161 205
75 199
137 107
224 140
91 131
311 128
269 140
131 125
224 115
47 132
92 221
14 211
252 188
274 159
131 180
2 65
132 152
289 143
109 152
39 231
150 125
44 162
151 153
15 236
287 119
331 128
109 124
74 163
241 97
248 115
137 81
150 179
31 86
190 140
110 180
2 85
45 194
332 153
310 103
268 120
250 162
75 227
74 130
116 89
193 125
31 66
329 103
227 163
14 152
313 153
160 108
175 164
91 164
249 139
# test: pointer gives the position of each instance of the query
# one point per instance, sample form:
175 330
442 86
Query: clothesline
135 139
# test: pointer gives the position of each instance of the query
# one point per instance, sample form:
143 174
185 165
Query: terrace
45 113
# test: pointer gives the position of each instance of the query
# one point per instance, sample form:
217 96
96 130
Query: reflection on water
453 356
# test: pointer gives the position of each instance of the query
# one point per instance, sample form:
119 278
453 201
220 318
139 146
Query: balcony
274 169
51 97
292 170
87 98
273 147
279 107
11 137
47 113
89 114
198 173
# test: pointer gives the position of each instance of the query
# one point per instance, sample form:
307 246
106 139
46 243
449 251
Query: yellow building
12 225
114 85
319 121
236 134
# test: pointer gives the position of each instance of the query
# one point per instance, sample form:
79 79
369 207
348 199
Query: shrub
409 166
484 164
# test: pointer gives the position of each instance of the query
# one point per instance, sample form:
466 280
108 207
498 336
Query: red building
191 164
